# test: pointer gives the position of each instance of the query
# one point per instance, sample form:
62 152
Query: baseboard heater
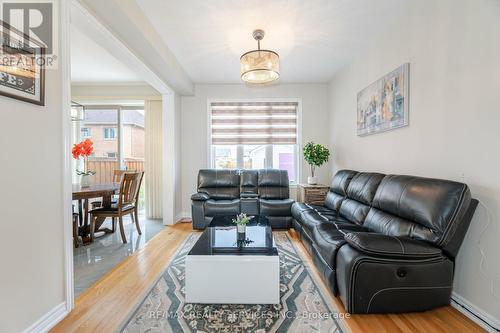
490 324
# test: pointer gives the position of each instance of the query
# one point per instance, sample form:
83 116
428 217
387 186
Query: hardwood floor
106 305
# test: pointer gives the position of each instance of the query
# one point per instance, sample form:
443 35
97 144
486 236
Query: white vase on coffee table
241 228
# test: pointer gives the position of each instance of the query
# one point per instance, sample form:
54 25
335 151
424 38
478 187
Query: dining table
83 194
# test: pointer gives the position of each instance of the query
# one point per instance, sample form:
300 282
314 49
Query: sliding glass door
101 125
118 136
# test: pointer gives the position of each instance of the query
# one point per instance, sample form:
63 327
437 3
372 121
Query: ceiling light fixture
260 66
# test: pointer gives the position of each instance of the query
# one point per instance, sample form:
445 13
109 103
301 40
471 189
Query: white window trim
298 164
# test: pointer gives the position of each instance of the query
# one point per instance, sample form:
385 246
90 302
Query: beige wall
31 201
194 153
453 48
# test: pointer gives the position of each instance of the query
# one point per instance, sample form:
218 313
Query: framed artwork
22 70
383 105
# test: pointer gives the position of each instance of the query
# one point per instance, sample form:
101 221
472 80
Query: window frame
117 135
88 130
269 151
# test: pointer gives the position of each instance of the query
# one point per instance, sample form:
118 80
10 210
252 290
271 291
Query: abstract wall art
383 105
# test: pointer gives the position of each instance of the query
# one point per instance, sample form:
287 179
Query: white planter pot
85 181
241 228
312 180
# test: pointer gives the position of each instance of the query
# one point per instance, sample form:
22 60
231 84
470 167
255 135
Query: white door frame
98 31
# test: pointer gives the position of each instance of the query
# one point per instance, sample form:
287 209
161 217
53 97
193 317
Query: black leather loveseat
387 243
253 192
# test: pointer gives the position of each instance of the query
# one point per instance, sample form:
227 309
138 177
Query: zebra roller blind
254 123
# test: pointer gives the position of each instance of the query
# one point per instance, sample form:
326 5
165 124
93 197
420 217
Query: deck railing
104 167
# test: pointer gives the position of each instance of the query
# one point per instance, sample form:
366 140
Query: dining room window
254 135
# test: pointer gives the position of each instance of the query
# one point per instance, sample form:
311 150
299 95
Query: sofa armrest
200 196
391 246
249 195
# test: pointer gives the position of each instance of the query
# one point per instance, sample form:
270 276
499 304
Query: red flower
84 148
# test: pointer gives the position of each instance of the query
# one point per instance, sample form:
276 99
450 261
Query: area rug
303 308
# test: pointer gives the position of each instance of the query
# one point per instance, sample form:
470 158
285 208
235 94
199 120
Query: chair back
129 188
117 174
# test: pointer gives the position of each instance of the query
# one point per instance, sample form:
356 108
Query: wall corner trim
49 320
477 315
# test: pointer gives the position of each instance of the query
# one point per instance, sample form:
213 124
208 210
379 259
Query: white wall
113 92
177 159
194 154
31 200
453 48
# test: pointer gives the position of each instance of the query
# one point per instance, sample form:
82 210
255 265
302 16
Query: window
85 132
105 157
254 135
110 133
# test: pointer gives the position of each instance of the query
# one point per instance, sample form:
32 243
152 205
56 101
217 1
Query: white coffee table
226 268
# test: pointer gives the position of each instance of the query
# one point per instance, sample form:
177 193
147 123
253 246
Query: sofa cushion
273 184
333 200
354 211
298 208
338 189
249 181
363 187
360 193
422 208
327 240
310 219
341 181
219 184
276 207
222 207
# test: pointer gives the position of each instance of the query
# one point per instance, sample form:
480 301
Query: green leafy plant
241 219
315 155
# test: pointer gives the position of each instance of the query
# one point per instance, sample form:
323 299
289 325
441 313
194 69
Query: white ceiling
91 63
313 37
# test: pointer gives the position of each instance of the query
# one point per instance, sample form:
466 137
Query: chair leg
113 224
75 230
92 226
122 230
136 218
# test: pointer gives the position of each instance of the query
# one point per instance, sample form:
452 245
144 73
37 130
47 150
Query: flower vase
85 181
312 180
241 228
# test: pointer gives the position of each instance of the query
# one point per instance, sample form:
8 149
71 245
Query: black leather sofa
387 243
253 192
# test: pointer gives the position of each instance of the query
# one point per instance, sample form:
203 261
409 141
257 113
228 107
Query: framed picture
22 70
383 105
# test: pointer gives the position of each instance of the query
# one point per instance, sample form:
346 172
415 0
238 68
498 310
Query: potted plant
315 155
241 222
84 149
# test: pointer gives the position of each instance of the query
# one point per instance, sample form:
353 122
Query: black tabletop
221 238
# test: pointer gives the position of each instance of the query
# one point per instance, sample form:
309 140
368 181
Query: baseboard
479 316
182 216
49 320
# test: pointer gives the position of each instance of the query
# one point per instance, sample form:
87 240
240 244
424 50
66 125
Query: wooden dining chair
128 201
117 176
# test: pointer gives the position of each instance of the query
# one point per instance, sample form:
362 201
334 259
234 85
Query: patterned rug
302 308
